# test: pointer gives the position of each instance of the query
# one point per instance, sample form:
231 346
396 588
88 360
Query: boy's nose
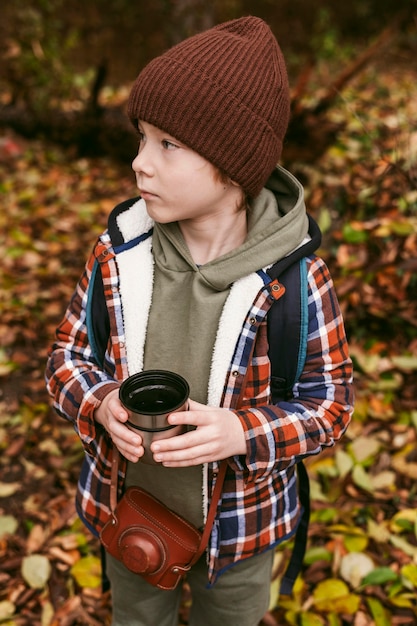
142 163
135 163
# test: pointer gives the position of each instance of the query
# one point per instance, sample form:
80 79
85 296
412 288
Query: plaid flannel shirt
259 506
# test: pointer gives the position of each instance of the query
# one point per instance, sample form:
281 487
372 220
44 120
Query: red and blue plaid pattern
259 506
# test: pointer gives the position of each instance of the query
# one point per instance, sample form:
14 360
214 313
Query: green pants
240 596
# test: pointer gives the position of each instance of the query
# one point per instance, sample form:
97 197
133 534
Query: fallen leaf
36 570
365 447
354 567
8 525
8 489
362 479
378 612
410 573
380 576
7 610
87 571
333 595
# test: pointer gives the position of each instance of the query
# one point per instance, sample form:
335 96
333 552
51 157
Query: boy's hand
218 435
112 416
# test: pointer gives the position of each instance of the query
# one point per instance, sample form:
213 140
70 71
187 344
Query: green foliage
326 40
39 42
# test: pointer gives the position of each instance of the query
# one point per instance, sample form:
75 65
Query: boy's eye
168 144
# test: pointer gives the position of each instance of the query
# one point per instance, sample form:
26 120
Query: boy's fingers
190 418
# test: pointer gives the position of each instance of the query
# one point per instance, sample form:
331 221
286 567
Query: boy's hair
224 93
224 178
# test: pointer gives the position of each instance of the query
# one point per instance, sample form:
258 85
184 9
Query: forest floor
361 563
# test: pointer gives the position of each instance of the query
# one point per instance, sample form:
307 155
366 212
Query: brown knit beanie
224 93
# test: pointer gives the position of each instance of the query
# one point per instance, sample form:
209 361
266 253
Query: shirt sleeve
277 436
74 380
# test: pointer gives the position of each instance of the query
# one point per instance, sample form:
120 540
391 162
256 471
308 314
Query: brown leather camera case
150 539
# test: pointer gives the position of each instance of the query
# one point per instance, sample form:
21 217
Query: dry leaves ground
361 565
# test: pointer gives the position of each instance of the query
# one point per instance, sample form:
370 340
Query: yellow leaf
410 573
360 413
316 492
316 464
378 612
310 619
403 545
406 515
404 601
362 479
291 616
87 572
378 531
333 595
353 543
274 594
344 529
344 462
407 363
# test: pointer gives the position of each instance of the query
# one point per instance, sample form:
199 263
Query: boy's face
178 184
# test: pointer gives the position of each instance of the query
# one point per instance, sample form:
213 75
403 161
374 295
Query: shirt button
235 374
253 320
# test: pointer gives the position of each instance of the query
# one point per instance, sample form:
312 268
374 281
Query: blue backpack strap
287 324
287 320
300 540
97 316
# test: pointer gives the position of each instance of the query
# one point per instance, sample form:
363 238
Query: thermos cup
149 397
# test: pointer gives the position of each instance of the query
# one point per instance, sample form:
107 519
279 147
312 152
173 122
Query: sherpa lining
135 288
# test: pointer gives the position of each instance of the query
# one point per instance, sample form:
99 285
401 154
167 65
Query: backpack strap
287 320
300 540
97 316
287 324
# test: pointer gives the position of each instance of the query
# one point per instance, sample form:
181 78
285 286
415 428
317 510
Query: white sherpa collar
136 271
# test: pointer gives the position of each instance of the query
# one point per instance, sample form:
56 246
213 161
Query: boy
185 287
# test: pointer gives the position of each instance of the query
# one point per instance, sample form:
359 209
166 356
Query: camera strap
211 514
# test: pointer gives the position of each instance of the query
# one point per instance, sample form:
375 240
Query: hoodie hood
277 224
